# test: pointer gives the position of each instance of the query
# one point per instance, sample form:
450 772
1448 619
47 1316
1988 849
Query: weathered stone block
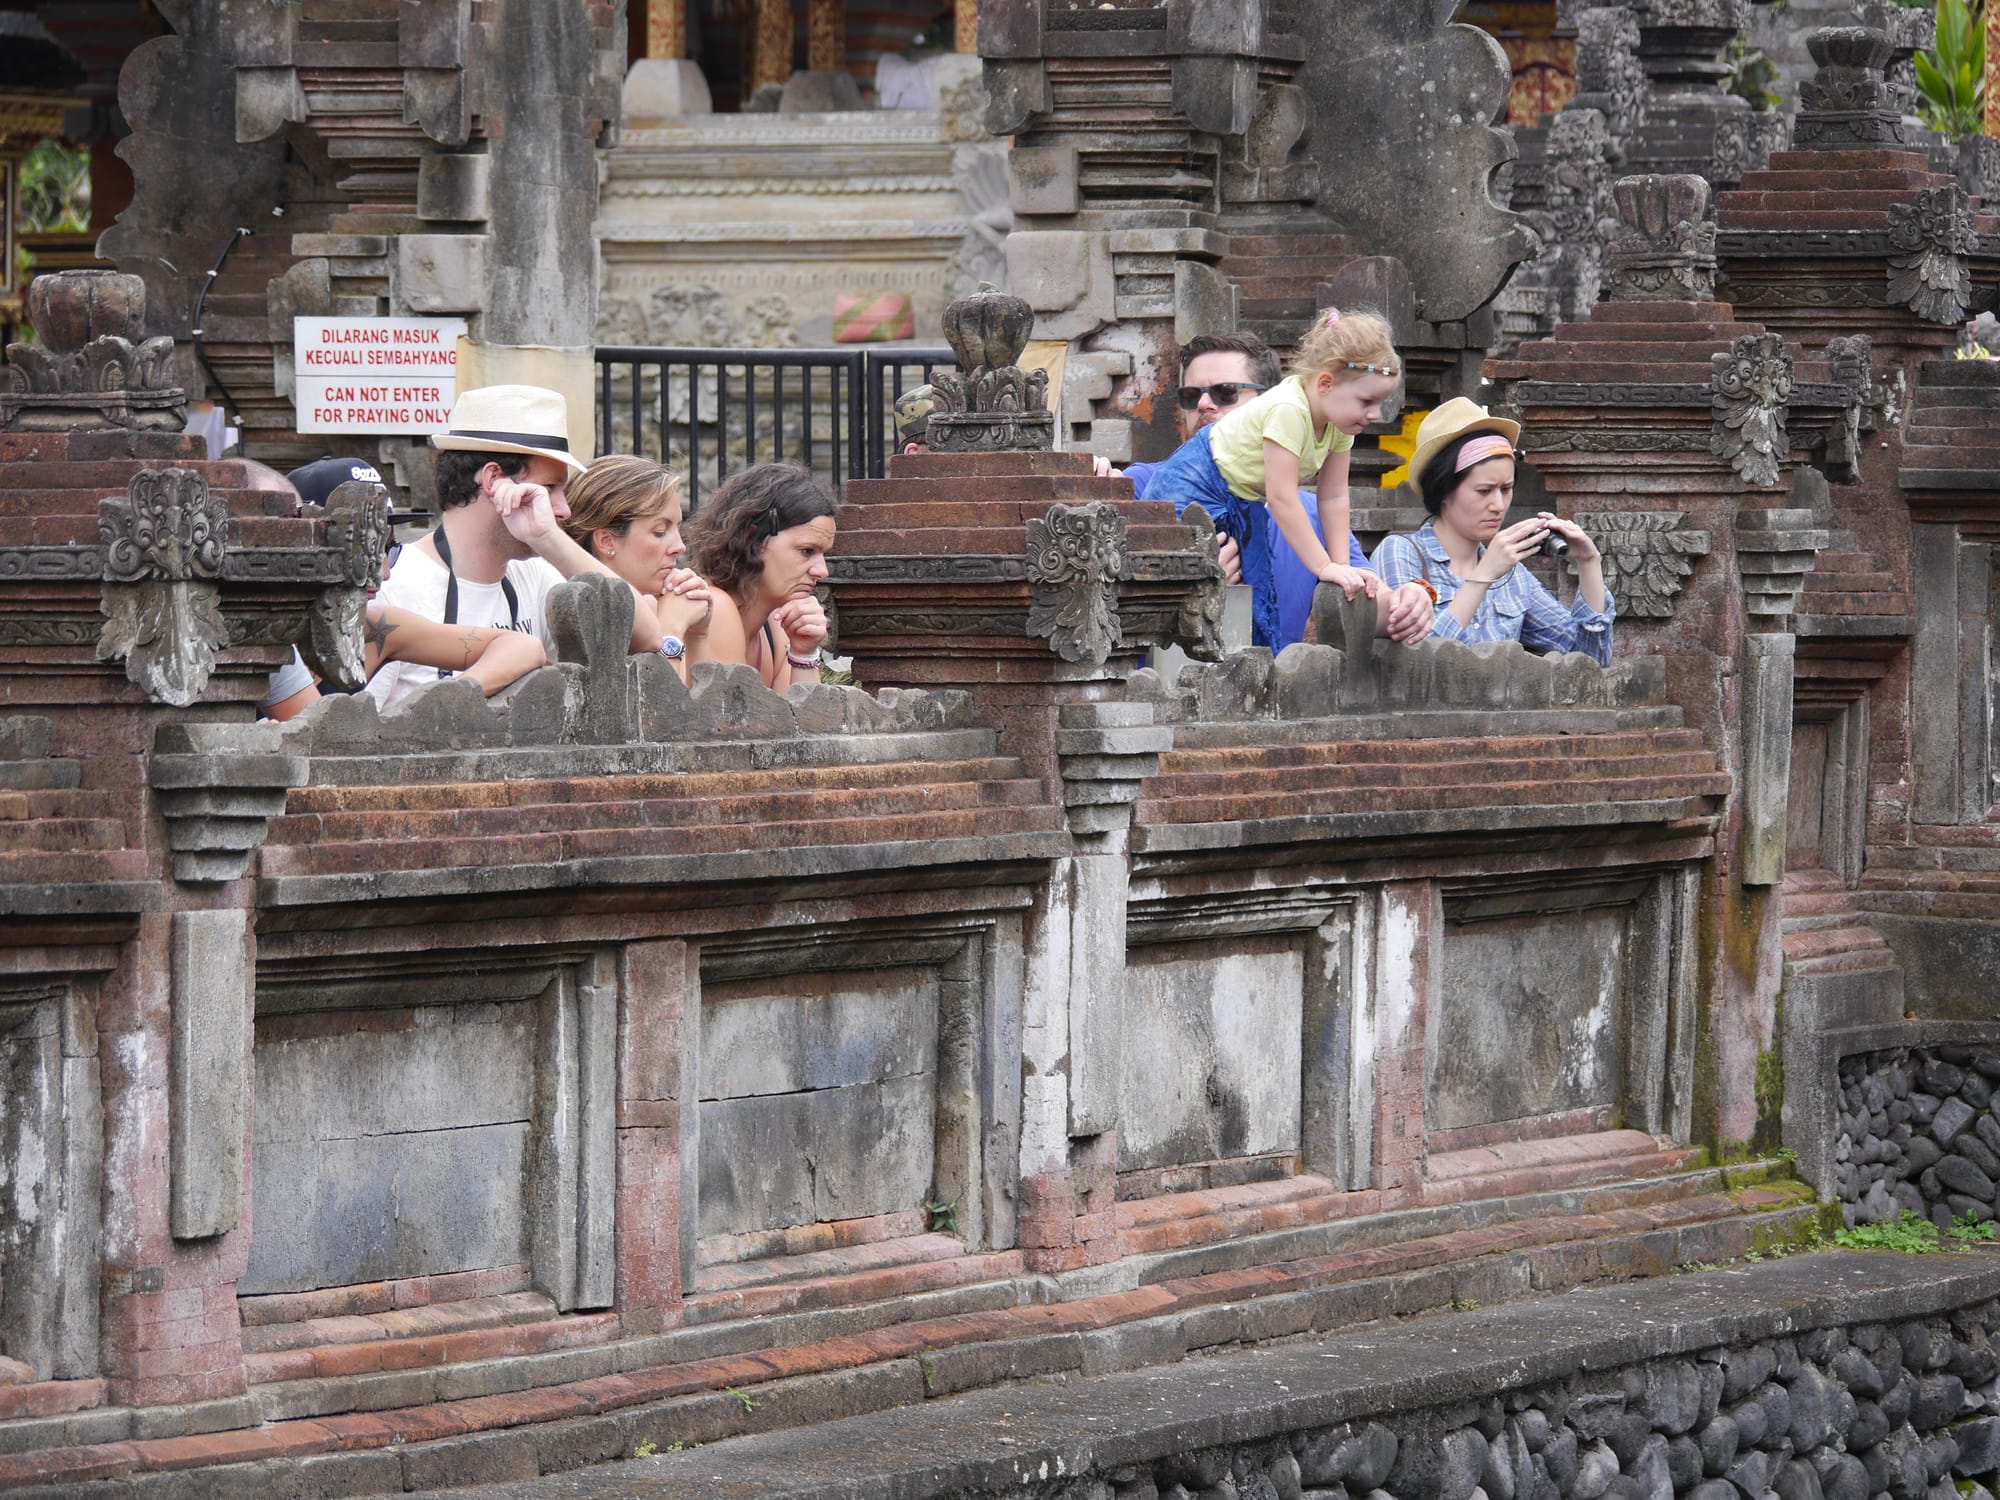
210 1070
441 273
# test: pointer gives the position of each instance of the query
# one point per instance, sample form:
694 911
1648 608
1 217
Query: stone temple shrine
1048 1065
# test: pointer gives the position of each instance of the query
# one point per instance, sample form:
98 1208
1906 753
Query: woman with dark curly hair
761 541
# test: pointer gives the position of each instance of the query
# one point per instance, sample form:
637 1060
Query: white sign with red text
375 374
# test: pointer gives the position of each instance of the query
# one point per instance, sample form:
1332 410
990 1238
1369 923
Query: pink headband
1492 445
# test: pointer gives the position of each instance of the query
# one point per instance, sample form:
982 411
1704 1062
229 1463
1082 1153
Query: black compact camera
1552 546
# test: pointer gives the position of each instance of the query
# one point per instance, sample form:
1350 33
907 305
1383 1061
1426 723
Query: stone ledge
1002 1441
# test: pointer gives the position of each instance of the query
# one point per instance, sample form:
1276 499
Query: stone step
849 1288
1191 759
1826 943
814 1265
563 1410
435 1320
405 1352
1857 961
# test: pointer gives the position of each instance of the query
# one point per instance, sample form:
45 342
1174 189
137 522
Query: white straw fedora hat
510 419
1457 418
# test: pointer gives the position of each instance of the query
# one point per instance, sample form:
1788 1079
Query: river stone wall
1917 1132
1908 1411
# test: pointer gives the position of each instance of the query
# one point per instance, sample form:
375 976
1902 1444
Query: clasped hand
1524 539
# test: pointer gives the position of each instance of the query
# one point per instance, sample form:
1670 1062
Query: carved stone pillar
1659 423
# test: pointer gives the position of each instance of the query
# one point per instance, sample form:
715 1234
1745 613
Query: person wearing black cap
292 689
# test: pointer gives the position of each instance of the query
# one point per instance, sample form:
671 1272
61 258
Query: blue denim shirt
1517 608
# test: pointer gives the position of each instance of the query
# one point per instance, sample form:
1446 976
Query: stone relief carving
1609 76
1665 251
1853 360
980 173
1198 627
357 524
163 548
1647 557
1076 558
92 369
1752 385
1930 239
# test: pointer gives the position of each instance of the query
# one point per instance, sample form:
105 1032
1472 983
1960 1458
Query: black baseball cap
317 481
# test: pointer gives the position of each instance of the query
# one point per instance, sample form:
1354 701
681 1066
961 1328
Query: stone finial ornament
1752 391
989 404
1076 559
1665 251
92 370
1647 557
163 547
1850 101
1930 240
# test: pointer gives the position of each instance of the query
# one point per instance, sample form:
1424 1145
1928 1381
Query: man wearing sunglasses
1219 372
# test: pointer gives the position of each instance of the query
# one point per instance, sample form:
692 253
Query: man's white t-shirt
417 583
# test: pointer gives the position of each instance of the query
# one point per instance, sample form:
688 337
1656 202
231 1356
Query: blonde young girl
1247 469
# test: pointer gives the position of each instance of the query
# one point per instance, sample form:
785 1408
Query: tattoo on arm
471 642
376 630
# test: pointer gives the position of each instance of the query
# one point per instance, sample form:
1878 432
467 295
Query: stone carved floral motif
357 525
163 548
1076 558
1665 251
1198 627
1647 557
1931 238
1752 388
91 371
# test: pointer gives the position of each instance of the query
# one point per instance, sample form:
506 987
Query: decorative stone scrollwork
91 370
1850 101
1666 250
1931 238
1752 387
1610 78
1775 549
989 404
1198 627
1076 558
357 525
1853 359
163 548
1647 557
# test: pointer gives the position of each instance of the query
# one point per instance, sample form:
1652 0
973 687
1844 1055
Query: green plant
1752 75
749 1403
54 185
943 1216
1913 1234
1952 75
644 1449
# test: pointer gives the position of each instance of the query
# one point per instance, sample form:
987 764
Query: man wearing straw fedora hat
499 546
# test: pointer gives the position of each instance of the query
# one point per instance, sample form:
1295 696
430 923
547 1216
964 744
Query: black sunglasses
1222 393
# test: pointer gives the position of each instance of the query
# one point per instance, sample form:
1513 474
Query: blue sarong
1189 476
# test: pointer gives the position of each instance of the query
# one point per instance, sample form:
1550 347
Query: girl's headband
1487 445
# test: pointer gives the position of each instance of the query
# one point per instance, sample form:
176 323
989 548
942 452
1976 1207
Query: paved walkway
1017 1435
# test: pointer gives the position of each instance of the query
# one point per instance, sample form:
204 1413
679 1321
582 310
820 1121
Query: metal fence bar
852 391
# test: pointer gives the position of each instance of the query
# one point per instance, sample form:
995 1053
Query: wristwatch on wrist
673 648
804 663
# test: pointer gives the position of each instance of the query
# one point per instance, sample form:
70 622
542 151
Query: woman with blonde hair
626 513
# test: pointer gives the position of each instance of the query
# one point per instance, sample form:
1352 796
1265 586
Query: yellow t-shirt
1282 415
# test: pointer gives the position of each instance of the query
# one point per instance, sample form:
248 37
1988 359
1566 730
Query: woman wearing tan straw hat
1464 464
